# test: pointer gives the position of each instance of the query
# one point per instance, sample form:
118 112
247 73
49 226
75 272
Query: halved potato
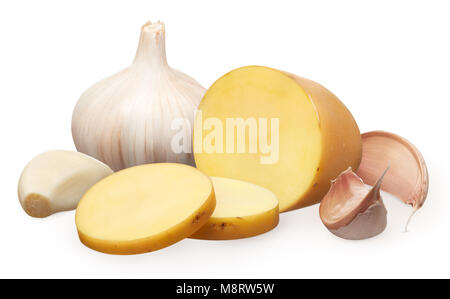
312 135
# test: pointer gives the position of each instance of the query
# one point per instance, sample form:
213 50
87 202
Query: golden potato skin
229 228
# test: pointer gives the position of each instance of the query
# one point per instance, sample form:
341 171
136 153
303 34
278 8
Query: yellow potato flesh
318 137
242 210
144 208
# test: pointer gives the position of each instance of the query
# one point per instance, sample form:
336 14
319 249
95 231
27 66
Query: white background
388 61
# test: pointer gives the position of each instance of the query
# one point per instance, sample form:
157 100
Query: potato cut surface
144 208
242 210
317 137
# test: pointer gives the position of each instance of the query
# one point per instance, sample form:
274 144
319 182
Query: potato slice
317 137
144 208
242 210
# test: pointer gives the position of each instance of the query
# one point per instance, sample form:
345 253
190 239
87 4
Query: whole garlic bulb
142 114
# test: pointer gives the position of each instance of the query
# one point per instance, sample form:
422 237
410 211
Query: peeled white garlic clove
350 210
408 176
56 180
142 114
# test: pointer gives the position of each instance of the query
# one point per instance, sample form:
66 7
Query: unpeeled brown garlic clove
408 176
350 210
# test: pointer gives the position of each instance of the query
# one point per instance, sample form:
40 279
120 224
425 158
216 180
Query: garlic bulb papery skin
143 114
350 210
